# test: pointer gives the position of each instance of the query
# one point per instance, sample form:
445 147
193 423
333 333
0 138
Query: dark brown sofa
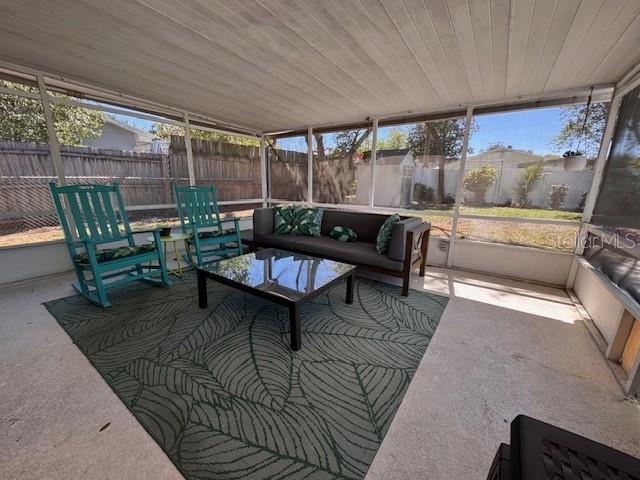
407 251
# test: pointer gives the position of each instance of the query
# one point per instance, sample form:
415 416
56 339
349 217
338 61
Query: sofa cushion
343 234
349 252
384 234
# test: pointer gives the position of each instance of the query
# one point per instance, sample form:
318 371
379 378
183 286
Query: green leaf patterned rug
221 392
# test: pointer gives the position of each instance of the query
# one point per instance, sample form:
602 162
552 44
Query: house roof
387 157
142 136
273 66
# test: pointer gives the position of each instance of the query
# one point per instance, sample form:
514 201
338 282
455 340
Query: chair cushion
211 234
343 234
384 234
107 254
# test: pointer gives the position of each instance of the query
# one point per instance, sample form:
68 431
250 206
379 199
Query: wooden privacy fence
145 178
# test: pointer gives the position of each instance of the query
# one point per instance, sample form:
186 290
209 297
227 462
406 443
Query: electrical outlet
443 245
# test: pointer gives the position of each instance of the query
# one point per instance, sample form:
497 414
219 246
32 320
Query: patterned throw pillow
307 221
384 234
282 220
343 234
297 221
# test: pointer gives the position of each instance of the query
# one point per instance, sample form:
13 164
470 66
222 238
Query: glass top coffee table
283 277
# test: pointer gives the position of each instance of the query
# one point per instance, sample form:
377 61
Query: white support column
460 185
54 146
187 144
374 156
310 165
601 163
263 171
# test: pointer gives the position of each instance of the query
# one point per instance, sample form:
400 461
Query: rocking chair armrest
234 220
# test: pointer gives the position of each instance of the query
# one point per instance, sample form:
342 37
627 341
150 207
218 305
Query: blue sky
523 130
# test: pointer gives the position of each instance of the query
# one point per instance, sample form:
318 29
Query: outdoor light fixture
574 161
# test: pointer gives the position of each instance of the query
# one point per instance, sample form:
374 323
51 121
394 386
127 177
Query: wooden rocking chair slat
89 221
200 219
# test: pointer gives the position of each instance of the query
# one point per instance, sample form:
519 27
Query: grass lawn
522 213
549 237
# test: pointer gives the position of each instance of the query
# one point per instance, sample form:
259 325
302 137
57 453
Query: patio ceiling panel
286 64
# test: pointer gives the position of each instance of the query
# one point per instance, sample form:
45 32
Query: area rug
223 395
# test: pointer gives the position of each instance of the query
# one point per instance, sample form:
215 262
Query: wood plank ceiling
284 64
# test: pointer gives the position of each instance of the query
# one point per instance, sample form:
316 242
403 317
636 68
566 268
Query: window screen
618 203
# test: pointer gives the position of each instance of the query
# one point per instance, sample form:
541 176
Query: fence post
165 170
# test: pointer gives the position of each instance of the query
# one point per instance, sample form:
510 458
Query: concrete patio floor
502 348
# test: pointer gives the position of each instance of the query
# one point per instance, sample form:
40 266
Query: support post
187 144
460 185
601 163
54 146
374 156
263 172
310 165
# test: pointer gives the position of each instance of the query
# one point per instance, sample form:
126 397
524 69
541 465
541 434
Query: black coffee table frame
292 305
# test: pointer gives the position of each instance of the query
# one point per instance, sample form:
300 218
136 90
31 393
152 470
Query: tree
495 146
165 131
395 140
527 182
334 169
442 139
22 119
478 181
571 137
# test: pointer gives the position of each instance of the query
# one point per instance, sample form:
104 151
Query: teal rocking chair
89 221
200 219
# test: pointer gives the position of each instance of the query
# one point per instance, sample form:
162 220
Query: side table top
174 237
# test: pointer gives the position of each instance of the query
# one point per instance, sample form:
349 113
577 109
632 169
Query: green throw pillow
384 234
282 220
307 221
297 221
343 234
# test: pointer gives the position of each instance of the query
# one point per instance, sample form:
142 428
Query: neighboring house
117 135
394 178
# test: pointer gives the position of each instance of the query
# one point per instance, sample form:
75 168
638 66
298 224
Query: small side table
173 238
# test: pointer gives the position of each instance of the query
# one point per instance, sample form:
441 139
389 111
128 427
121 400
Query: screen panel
618 202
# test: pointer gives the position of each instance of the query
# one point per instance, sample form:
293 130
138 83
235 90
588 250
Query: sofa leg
406 281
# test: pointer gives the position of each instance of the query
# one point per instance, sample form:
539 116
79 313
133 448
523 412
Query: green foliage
527 182
422 193
165 131
557 195
478 181
22 120
437 138
570 138
395 140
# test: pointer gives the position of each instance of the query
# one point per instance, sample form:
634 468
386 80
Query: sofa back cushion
366 225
